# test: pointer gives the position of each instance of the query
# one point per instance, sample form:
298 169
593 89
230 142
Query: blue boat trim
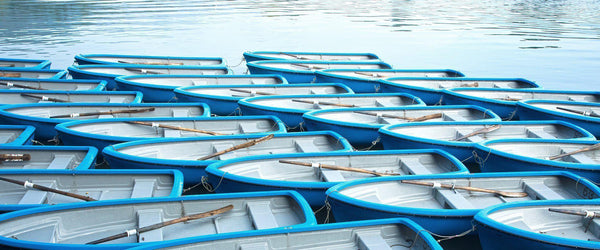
307 213
87 162
512 103
81 69
130 80
259 65
58 73
482 218
389 82
101 83
83 59
328 72
250 56
333 192
527 104
24 138
137 95
41 63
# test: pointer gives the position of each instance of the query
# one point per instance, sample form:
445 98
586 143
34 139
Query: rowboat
540 225
44 116
511 155
83 185
366 80
223 100
49 96
251 56
141 221
48 158
583 114
83 59
16 135
192 155
504 101
446 204
52 84
108 72
429 89
460 138
24 63
8 72
290 108
360 125
311 174
104 132
159 88
372 234
299 71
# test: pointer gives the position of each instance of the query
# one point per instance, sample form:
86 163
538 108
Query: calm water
555 43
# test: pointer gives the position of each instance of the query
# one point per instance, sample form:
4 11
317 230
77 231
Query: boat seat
81 87
171 132
143 188
148 217
448 116
254 246
371 240
304 146
577 98
61 161
258 81
6 138
594 227
383 120
581 158
474 138
180 113
330 175
115 100
414 166
262 215
379 104
539 191
221 147
199 83
452 199
539 133
35 196
247 128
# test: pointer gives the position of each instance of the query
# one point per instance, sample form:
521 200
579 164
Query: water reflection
432 33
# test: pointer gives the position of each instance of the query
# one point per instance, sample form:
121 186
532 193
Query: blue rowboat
512 155
290 108
159 88
582 114
187 154
251 56
83 59
48 158
49 96
223 100
360 125
447 208
71 226
366 80
371 234
104 132
540 225
299 71
9 73
51 84
44 116
24 63
108 72
16 135
460 138
266 172
504 101
96 184
429 89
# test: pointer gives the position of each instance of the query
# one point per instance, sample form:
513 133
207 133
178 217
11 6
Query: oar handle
584 113
126 111
47 189
572 212
152 124
239 146
477 132
475 189
326 103
9 74
15 157
335 167
475 84
409 119
44 98
590 148
369 74
144 71
138 231
309 67
10 84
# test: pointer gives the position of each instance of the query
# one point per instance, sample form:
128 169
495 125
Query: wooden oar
590 148
334 167
369 74
477 132
27 184
580 213
585 113
152 124
474 189
9 74
126 111
15 157
10 84
326 103
149 63
7 65
239 146
309 67
475 84
252 92
44 98
511 99
137 231
410 119
144 71
296 56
